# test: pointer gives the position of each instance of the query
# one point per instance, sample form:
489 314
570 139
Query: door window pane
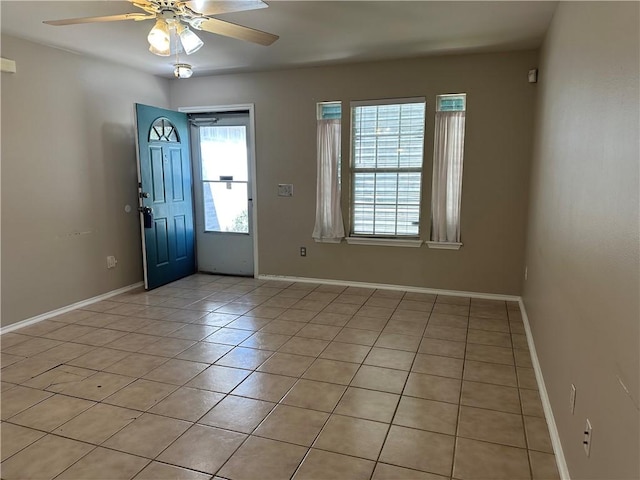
225 207
224 153
225 175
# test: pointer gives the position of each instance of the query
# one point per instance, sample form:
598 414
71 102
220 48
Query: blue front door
165 195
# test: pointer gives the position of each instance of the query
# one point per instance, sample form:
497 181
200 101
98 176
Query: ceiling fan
171 33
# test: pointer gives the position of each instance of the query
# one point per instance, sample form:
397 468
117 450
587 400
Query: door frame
250 107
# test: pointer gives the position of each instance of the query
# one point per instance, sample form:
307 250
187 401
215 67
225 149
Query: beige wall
583 240
68 166
497 159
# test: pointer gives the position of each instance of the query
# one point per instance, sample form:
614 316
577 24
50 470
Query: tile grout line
404 386
193 424
279 402
524 426
464 363
93 445
343 392
346 388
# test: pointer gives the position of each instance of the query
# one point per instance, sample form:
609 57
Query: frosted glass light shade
182 70
190 41
159 37
161 53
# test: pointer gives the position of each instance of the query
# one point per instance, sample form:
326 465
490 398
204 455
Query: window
329 110
163 130
450 103
329 227
386 168
448 156
225 178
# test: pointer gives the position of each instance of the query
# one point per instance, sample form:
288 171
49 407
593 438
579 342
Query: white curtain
329 226
447 177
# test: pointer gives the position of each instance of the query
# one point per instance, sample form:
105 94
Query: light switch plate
285 190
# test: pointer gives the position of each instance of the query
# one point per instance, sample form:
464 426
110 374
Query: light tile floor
249 379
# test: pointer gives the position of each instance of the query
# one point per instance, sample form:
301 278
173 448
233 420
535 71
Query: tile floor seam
38 402
25 446
110 449
464 362
106 439
341 397
280 403
329 413
155 459
95 447
71 419
55 435
404 386
524 427
53 394
248 436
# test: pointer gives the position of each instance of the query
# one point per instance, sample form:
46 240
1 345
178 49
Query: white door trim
140 204
250 107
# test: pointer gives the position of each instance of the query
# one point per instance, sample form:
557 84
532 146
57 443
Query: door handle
144 195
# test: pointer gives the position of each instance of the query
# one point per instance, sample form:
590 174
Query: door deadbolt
147 216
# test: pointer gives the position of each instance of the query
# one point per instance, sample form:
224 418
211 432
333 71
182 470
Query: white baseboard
384 286
563 470
68 308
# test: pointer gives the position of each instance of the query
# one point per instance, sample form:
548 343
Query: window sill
444 245
384 242
328 240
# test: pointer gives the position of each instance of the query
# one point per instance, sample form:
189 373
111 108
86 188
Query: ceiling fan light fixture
182 70
160 53
190 41
196 22
159 37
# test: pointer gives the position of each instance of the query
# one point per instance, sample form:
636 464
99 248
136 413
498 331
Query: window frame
329 220
447 245
413 240
320 108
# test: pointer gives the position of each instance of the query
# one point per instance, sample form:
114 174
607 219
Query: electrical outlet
303 251
572 398
588 437
111 262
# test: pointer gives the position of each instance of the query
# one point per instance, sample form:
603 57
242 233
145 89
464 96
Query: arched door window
162 130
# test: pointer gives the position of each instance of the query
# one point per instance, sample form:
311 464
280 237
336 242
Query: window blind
387 156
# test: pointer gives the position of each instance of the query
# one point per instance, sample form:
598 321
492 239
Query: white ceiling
311 32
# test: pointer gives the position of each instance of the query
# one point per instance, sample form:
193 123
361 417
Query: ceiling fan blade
109 18
228 29
140 2
217 7
146 5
